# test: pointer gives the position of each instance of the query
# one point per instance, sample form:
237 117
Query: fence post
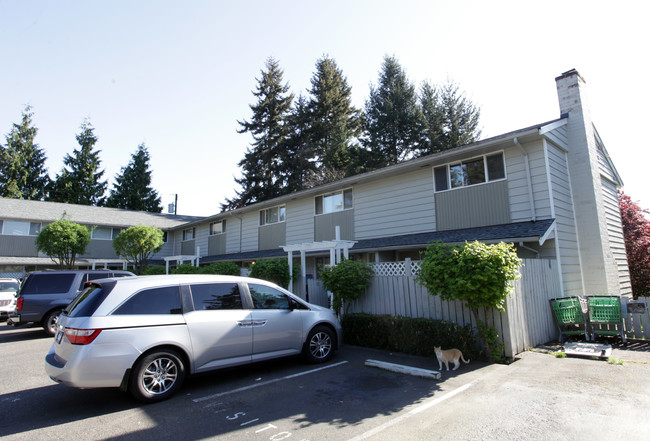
407 267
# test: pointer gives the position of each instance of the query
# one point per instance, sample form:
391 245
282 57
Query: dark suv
44 294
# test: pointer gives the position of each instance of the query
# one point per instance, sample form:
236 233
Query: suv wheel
157 376
319 346
49 322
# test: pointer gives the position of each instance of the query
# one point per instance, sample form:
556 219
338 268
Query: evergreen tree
393 120
264 172
335 123
22 162
132 188
80 179
299 155
451 120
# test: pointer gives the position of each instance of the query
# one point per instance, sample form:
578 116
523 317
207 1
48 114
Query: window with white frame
218 227
188 234
473 171
18 228
273 215
101 233
332 202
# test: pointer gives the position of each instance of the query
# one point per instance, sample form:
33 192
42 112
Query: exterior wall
565 224
394 206
325 225
100 249
250 223
23 246
620 267
188 247
473 206
216 244
521 208
272 236
300 221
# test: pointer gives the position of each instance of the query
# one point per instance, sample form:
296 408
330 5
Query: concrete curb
408 370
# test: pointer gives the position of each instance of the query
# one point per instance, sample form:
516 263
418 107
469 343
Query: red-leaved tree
636 230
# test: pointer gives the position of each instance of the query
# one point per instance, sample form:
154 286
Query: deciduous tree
636 231
63 241
22 162
136 244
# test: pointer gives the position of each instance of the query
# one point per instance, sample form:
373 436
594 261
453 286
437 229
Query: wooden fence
527 321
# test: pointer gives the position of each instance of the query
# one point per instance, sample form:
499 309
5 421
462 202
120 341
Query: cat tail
463 358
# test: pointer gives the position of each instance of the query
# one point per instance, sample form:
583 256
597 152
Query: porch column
303 272
291 270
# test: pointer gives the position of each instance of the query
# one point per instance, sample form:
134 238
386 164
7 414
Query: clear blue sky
177 75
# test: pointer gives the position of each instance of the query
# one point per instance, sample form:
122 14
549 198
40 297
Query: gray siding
188 247
398 205
325 225
202 233
250 224
22 246
100 249
473 206
563 212
300 221
217 244
272 236
616 239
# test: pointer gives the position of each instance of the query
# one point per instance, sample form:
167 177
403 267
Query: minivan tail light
19 303
81 336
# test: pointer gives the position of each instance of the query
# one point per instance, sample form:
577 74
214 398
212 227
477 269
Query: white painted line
422 408
264 383
401 369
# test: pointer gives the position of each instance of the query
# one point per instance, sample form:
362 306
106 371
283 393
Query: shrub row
226 268
415 336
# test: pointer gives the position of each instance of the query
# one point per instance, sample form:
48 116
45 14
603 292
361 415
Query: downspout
533 210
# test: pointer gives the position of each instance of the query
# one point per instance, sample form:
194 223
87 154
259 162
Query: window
273 215
188 234
214 296
164 300
55 283
265 297
332 202
102 233
116 231
218 227
471 172
16 228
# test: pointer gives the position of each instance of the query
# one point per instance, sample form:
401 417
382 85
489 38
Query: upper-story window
273 215
104 233
218 227
331 202
471 172
188 234
17 228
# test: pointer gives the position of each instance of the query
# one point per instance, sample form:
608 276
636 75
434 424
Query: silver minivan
145 334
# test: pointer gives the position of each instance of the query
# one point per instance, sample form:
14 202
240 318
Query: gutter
533 211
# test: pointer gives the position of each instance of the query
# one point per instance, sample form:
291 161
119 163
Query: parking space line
412 412
264 383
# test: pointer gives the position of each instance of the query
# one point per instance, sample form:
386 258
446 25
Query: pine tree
451 120
80 179
22 162
299 155
264 172
393 120
335 123
132 188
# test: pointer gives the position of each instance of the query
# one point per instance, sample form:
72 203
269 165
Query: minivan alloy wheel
157 376
320 344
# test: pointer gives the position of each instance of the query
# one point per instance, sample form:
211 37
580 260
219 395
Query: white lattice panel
396 268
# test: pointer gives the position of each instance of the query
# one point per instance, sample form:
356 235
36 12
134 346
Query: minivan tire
49 322
157 376
319 346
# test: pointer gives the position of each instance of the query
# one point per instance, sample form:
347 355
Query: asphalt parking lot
537 397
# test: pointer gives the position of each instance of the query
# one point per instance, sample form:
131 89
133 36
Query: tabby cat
453 355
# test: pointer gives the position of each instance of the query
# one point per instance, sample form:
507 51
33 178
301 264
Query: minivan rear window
88 300
55 283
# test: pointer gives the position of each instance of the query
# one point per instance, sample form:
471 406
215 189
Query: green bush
185 269
153 270
348 280
225 268
273 270
416 336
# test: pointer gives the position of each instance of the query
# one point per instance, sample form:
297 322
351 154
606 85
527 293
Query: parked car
146 334
44 294
8 293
